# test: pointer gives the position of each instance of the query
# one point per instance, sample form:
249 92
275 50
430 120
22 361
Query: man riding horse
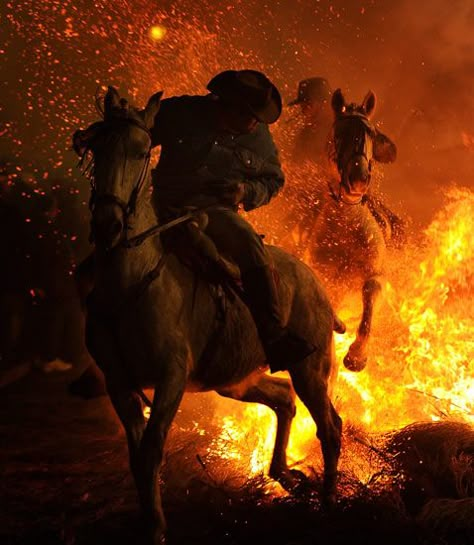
217 153
216 150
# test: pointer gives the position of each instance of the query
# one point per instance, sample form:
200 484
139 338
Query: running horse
152 321
350 232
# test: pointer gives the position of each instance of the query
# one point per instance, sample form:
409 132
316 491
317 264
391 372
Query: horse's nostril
116 227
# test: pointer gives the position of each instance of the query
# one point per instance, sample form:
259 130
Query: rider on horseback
217 151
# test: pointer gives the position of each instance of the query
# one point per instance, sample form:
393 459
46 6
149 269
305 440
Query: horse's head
120 147
356 144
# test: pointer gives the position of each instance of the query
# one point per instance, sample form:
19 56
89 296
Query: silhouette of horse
348 243
152 322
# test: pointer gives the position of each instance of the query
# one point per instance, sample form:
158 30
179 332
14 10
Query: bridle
128 208
359 149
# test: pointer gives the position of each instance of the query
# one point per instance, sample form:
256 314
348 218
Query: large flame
420 354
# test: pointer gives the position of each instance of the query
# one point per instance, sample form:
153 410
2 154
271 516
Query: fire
420 356
421 350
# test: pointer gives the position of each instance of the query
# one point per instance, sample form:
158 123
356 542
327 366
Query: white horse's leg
356 357
277 394
310 380
102 346
168 394
128 406
145 440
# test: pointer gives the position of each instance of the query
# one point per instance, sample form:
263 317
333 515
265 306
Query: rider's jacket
196 153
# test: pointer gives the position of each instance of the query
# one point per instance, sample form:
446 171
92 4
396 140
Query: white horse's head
119 149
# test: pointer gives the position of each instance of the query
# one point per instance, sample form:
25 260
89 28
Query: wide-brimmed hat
250 90
312 90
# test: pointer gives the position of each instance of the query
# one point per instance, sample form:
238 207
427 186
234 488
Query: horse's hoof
289 479
329 501
158 540
155 536
354 363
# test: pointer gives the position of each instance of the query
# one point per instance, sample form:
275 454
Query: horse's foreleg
277 394
168 393
129 409
356 357
310 382
101 344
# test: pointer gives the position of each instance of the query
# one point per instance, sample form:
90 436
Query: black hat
249 89
312 90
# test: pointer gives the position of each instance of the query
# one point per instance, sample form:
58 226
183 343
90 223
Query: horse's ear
337 102
81 139
151 109
111 101
385 151
368 104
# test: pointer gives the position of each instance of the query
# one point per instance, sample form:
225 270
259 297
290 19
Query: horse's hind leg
277 394
356 357
311 385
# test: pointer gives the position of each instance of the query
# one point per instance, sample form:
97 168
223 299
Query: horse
349 235
153 322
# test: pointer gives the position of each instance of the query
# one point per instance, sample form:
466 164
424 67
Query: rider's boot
283 348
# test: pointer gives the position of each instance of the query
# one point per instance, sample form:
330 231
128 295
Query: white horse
152 322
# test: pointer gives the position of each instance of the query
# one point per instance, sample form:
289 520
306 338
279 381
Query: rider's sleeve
268 178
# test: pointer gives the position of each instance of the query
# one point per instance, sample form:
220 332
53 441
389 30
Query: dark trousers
235 238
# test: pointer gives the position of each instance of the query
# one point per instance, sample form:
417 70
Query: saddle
195 250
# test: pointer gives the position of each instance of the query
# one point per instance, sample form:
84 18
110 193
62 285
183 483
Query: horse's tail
338 326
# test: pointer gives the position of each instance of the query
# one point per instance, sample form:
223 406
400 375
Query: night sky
419 60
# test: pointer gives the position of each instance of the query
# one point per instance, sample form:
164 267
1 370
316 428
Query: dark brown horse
348 240
152 322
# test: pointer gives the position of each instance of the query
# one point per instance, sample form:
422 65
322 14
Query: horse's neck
125 267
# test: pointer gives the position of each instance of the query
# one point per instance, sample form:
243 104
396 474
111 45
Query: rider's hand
234 195
227 192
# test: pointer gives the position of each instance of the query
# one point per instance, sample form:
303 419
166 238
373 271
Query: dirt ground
65 480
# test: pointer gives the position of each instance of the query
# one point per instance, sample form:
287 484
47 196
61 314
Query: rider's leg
236 238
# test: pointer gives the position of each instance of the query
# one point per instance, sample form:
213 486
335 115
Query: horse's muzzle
356 180
107 225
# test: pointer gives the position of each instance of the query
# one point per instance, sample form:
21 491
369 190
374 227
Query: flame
420 354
